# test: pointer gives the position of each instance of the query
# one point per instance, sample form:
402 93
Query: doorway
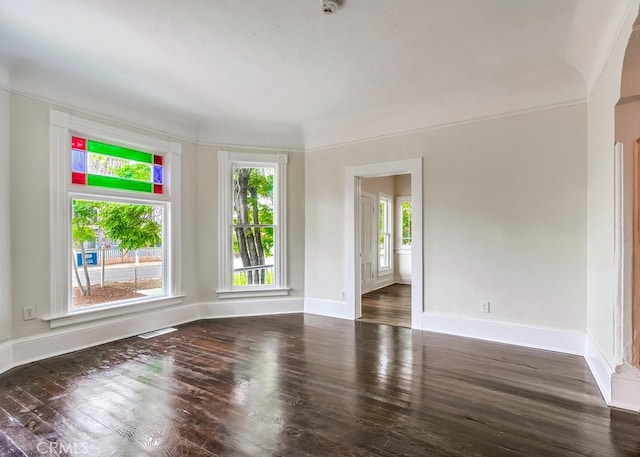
385 249
353 221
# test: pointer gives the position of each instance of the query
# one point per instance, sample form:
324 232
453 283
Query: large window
252 240
385 232
114 220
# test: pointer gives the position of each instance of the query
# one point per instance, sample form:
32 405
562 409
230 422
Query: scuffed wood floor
297 385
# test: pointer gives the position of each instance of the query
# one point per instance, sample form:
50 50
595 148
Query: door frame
353 189
372 197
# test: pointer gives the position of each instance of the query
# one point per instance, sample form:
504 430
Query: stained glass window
105 165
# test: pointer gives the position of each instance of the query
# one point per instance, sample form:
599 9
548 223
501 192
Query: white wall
600 197
5 212
402 185
29 184
504 216
384 184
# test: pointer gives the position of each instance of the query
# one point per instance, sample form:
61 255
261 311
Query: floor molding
327 308
254 307
599 367
6 356
550 339
625 388
70 339
74 338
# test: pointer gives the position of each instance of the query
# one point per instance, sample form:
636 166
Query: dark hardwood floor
299 385
390 305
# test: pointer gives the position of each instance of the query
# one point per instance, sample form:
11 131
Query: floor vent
162 331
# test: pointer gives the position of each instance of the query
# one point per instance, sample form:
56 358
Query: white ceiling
279 73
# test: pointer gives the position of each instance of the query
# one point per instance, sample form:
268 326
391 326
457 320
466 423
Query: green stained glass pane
117 151
104 165
119 183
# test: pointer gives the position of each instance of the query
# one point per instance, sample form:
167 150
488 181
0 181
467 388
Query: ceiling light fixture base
329 6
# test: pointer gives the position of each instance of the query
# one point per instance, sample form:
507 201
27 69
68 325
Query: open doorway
354 177
385 249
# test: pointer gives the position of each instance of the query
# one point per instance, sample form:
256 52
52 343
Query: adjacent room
319 227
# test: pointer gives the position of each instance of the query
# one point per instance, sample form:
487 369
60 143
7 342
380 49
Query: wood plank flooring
304 385
390 305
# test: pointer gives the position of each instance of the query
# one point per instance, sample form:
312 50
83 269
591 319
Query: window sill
78 317
248 293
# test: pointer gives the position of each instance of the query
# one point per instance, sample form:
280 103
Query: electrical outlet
484 307
343 295
29 312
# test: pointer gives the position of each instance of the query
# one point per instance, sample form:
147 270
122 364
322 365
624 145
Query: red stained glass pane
157 160
157 188
78 143
79 178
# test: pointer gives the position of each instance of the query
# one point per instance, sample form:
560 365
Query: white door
368 244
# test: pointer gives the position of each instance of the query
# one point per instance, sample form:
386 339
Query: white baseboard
74 338
6 356
327 308
625 388
599 367
239 308
550 339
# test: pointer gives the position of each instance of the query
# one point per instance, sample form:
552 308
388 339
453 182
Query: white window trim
226 161
386 270
400 248
61 125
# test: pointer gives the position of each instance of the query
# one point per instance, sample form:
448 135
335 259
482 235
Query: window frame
61 127
387 269
226 162
402 248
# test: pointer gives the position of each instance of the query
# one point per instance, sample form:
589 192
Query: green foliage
406 223
133 226
85 214
138 171
122 168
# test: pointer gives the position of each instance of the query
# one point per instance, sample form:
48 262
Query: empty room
319 228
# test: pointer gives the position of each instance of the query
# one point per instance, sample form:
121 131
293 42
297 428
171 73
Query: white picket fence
116 253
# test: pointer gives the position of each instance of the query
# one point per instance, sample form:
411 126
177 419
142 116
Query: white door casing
368 245
353 177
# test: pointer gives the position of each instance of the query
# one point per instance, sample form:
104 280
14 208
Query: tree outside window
253 229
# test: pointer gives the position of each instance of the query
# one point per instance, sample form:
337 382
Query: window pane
253 196
406 223
117 252
253 259
384 234
253 231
